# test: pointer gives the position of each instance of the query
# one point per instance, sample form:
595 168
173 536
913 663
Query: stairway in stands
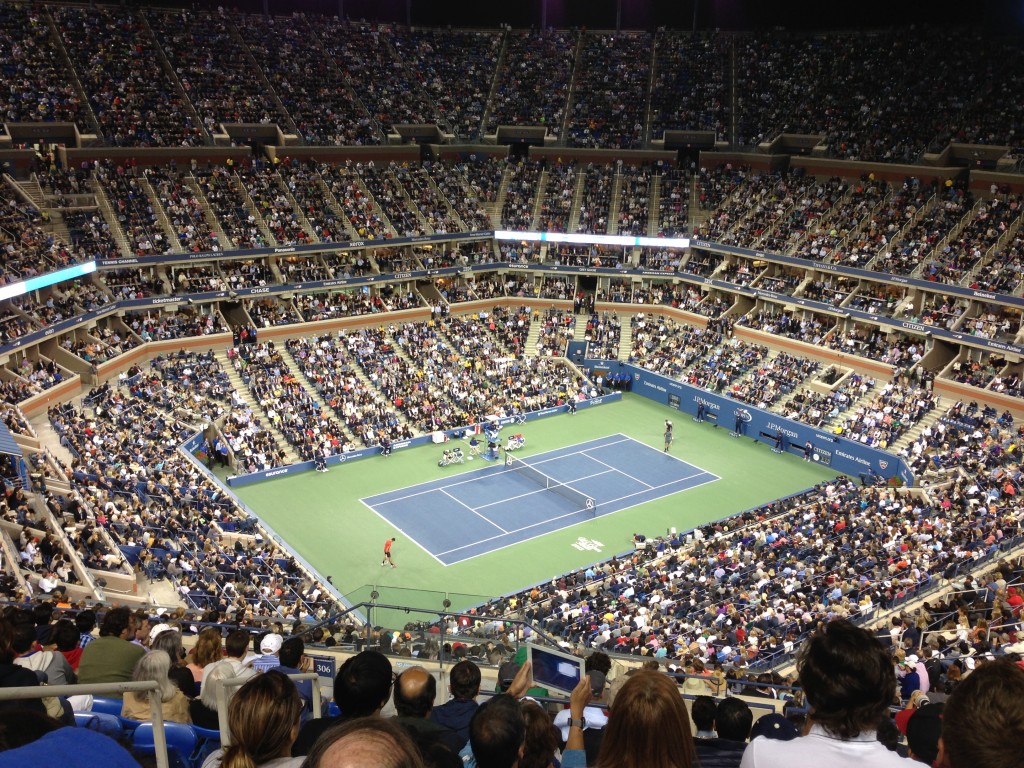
912 434
246 394
534 336
625 338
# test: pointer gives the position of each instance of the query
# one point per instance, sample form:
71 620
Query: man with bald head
366 742
415 691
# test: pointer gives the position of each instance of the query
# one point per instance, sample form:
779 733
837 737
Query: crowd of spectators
296 413
821 409
28 248
661 259
392 92
611 81
455 68
832 553
220 188
603 335
134 98
781 280
387 190
973 241
276 209
690 91
329 363
884 418
520 194
596 200
532 85
311 85
351 195
219 66
559 191
805 326
221 86
434 208
634 196
266 313
667 346
874 299
905 254
467 188
674 202
559 328
774 378
186 321
134 209
41 89
744 594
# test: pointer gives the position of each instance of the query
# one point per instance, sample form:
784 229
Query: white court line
541 490
408 537
482 517
622 438
485 475
570 514
581 452
684 461
557 530
615 469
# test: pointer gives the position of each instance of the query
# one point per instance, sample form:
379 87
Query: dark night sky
648 14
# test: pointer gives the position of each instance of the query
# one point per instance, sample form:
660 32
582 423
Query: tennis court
477 512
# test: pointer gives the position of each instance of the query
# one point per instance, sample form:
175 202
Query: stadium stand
737 596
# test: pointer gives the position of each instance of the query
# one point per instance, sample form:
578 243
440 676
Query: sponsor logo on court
583 544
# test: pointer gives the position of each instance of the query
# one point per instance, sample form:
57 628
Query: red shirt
387 546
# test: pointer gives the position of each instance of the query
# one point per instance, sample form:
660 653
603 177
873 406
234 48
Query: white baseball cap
271 643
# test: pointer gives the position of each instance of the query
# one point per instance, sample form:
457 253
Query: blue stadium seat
209 740
108 725
181 743
108 706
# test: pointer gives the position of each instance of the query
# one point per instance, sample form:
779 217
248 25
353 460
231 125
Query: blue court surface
462 516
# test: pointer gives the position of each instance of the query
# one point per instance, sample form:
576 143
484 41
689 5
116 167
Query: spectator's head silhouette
363 684
983 723
497 732
848 679
648 726
366 742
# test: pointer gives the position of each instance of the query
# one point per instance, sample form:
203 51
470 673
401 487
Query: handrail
148 686
235 682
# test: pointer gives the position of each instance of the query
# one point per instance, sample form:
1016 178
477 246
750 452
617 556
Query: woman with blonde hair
263 719
648 726
206 651
154 666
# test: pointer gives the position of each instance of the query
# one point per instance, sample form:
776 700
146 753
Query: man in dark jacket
415 690
361 689
465 687
733 720
13 676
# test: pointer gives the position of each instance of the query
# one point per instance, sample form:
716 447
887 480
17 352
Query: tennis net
584 503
